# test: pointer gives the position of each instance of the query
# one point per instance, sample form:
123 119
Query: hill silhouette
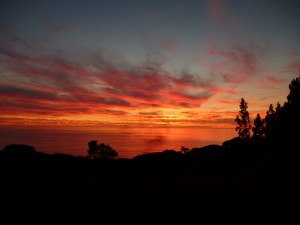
246 180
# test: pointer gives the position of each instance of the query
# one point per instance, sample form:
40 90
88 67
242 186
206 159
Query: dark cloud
114 102
111 112
19 92
199 95
150 113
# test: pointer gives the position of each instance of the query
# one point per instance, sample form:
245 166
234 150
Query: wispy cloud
170 45
234 64
293 66
275 80
54 25
218 11
220 17
52 83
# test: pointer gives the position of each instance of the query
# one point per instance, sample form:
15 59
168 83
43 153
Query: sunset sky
144 62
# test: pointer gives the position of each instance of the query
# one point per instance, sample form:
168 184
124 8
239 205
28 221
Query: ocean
128 142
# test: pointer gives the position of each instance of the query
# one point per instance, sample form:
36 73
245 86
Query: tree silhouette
269 121
289 116
278 108
293 97
258 127
243 121
103 151
281 123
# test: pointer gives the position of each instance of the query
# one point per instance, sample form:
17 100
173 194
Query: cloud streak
234 64
53 85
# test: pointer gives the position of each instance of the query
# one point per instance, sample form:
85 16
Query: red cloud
58 86
275 80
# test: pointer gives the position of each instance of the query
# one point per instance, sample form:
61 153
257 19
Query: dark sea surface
128 142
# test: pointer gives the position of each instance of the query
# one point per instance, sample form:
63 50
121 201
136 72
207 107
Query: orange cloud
52 86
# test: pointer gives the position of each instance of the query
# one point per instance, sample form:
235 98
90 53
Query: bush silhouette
19 151
103 151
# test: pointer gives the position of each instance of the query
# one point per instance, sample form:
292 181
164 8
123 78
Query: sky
144 62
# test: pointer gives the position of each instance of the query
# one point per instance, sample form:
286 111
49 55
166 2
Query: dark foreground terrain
228 184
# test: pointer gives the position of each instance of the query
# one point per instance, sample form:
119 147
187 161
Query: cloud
57 85
218 10
169 45
275 80
112 112
293 67
12 39
219 16
18 92
234 64
54 25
